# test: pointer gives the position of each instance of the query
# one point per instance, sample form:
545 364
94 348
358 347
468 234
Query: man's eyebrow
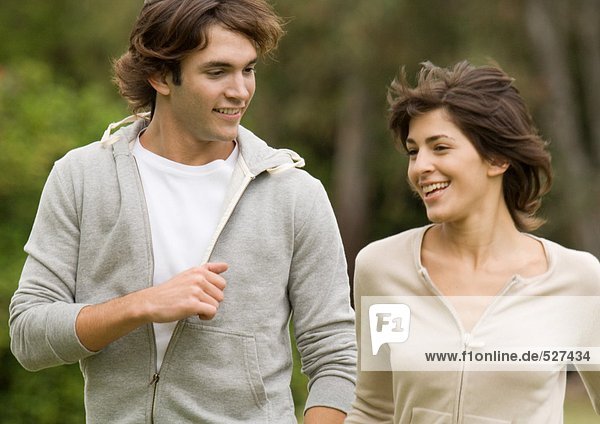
430 139
221 64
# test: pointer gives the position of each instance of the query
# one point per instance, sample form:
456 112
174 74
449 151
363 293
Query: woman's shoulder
577 270
389 265
573 259
399 247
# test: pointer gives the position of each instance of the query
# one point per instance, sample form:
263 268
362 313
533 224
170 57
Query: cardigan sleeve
591 380
587 268
374 401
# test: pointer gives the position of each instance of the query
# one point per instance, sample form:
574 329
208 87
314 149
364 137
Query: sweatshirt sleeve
374 389
320 297
43 311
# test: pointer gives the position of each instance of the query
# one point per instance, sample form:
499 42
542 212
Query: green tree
566 38
40 119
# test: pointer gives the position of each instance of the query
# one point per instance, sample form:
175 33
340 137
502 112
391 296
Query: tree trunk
349 174
564 113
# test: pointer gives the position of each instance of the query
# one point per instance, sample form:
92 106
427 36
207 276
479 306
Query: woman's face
445 169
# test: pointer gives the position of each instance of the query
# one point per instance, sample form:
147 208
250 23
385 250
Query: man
169 257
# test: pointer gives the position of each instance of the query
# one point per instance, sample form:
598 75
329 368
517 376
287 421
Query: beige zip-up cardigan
392 267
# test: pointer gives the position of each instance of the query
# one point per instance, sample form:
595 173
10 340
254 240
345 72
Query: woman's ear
497 166
160 82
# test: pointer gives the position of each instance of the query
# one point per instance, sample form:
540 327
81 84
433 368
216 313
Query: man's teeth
228 111
432 187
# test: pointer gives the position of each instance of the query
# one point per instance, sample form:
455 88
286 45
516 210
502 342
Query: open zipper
466 336
248 177
156 376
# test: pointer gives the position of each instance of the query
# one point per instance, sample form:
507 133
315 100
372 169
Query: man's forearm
196 291
324 415
99 325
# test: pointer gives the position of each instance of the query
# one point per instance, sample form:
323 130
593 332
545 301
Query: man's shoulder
88 151
299 178
101 154
260 157
292 189
91 165
92 154
278 167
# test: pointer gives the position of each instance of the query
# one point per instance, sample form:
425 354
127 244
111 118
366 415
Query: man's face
217 85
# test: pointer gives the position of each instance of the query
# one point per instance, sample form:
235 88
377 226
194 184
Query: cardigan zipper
156 376
226 215
248 177
466 335
459 397
154 384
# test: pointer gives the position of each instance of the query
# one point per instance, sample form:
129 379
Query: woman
474 281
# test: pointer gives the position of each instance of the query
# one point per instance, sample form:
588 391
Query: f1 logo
389 323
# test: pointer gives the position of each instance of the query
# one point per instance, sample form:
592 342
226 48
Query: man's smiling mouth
228 111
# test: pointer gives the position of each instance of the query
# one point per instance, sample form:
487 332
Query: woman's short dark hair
485 105
166 31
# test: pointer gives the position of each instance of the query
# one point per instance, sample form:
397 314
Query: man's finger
208 312
217 267
214 289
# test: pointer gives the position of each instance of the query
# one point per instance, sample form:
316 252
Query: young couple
169 257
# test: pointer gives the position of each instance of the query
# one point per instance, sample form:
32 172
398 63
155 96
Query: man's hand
196 291
323 415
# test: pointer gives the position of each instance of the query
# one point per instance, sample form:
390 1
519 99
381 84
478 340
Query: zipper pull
469 343
466 340
154 380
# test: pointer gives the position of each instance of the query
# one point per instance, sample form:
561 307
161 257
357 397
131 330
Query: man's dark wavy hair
166 31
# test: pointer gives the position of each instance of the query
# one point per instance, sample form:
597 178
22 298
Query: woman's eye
411 152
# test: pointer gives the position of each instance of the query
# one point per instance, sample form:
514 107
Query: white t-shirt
184 205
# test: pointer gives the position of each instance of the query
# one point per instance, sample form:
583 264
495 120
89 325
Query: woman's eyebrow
430 139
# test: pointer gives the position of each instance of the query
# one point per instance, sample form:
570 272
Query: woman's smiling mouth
429 189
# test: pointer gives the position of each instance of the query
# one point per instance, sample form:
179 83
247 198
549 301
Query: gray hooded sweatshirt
91 242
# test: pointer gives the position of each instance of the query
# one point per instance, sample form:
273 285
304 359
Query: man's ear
497 166
161 83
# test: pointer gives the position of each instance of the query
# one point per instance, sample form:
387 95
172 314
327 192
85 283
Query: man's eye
215 73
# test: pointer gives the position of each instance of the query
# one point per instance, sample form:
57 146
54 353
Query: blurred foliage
56 94
300 97
40 119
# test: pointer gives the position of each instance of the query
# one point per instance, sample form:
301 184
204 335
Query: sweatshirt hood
261 157
257 155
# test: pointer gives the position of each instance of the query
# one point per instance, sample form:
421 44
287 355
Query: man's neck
181 149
